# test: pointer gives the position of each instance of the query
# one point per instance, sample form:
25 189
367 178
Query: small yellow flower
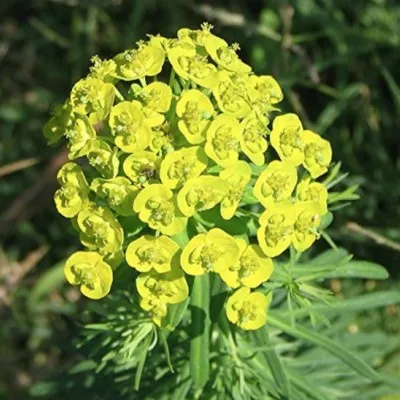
102 69
307 190
181 165
103 158
169 287
93 98
61 121
213 251
99 229
141 168
157 96
128 125
317 154
148 252
237 177
252 269
202 193
308 219
156 308
247 310
275 233
225 56
195 37
195 110
161 140
223 140
276 183
269 93
87 270
80 135
118 192
151 118
287 138
156 206
146 60
72 197
233 94
252 141
154 100
190 65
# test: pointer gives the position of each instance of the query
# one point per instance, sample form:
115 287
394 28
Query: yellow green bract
184 165
87 270
247 310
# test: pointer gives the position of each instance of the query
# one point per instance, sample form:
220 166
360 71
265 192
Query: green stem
172 79
143 81
200 331
118 94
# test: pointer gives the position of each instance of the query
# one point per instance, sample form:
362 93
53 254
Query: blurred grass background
337 61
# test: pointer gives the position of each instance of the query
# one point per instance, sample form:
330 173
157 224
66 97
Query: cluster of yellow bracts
166 148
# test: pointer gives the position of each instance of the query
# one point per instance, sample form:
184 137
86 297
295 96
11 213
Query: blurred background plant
337 62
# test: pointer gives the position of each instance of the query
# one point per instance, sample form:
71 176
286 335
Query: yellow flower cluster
163 153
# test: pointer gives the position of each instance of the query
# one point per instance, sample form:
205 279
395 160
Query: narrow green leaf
348 357
326 221
200 331
271 356
313 391
353 269
330 257
142 361
166 349
175 314
364 302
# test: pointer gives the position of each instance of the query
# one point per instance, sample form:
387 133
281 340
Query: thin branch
17 166
376 237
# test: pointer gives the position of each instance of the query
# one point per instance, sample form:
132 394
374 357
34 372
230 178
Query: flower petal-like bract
88 270
252 269
181 165
223 140
308 219
141 167
276 183
99 229
128 125
308 190
233 94
60 122
317 154
169 287
237 176
190 65
202 193
195 110
146 60
212 251
72 197
156 206
247 310
103 158
118 192
148 253
252 140
275 233
225 56
92 97
80 135
287 138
